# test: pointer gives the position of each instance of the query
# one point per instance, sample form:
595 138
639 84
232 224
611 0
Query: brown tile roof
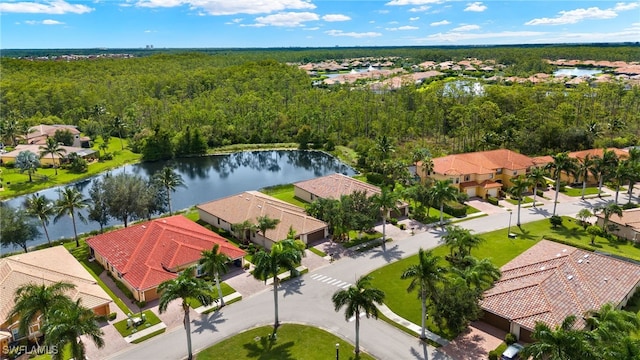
630 218
147 253
35 148
550 281
482 162
47 266
335 185
38 134
543 160
250 205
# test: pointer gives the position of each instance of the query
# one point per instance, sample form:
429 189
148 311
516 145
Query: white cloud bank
225 7
352 34
335 17
57 7
476 7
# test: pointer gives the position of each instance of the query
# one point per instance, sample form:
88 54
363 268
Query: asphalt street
307 300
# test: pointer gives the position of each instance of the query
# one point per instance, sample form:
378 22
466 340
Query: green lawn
284 193
500 249
357 238
226 290
578 191
17 183
124 330
526 200
293 342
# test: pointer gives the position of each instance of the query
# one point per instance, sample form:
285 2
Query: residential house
551 281
44 267
10 157
144 255
626 226
481 173
250 205
541 161
38 135
334 186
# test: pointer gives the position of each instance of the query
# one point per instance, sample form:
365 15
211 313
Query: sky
47 24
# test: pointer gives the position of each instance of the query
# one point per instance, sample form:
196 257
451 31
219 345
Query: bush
393 221
539 193
455 209
376 179
246 266
142 304
493 355
510 338
555 221
112 316
403 227
492 200
629 205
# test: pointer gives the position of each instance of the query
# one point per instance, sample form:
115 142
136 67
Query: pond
576 72
208 178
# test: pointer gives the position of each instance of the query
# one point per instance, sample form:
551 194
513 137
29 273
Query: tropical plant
583 215
387 202
185 287
285 254
41 207
603 167
384 148
425 277
609 324
170 180
478 274
240 229
119 126
561 163
266 223
32 300
214 263
53 148
460 242
16 227
520 185
607 211
358 299
70 203
560 343
98 210
583 167
593 231
619 175
28 162
65 327
537 176
441 192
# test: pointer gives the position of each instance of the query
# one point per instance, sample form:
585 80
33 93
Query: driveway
475 343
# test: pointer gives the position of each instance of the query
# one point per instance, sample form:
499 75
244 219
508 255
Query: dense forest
187 99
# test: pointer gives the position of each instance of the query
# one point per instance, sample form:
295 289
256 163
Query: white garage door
471 191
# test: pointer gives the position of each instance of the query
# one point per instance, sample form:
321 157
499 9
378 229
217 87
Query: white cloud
440 23
462 38
414 18
575 16
43 22
476 7
226 7
353 34
393 22
625 7
412 2
422 8
402 28
52 22
57 7
382 11
312 28
288 19
466 28
335 17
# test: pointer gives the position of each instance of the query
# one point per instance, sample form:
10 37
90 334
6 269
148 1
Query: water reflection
210 177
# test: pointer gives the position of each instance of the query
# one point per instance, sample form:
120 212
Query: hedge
492 200
455 209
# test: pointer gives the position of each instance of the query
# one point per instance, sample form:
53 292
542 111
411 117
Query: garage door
493 192
471 191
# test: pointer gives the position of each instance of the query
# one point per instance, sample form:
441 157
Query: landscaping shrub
112 316
375 178
393 221
539 193
629 205
403 226
492 200
510 338
455 209
555 221
493 355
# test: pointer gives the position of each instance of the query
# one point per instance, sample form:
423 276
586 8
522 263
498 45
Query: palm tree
31 300
537 176
384 147
562 343
441 192
266 223
285 254
53 148
619 175
583 215
607 210
583 168
561 163
70 203
42 208
9 129
610 324
479 273
603 167
214 263
119 125
358 299
241 229
425 276
67 324
185 287
520 185
27 161
460 242
386 201
427 166
170 180
633 162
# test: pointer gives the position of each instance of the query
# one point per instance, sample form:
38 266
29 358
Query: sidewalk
142 333
227 299
411 326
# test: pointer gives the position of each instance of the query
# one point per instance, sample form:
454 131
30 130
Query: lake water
576 72
208 178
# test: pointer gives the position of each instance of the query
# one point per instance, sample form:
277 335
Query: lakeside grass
285 193
293 342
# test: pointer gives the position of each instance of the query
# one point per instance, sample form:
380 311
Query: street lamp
337 351
509 234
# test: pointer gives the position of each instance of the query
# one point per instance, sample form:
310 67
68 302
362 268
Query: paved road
307 300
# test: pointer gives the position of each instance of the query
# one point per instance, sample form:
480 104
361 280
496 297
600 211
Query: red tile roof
147 253
482 162
550 281
543 160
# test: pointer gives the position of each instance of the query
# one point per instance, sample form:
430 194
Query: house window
218 221
490 176
515 172
499 171
467 177
119 275
15 333
457 180
199 271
